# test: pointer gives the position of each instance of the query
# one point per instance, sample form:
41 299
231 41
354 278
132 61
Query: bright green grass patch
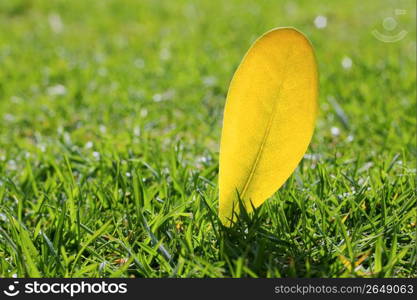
109 128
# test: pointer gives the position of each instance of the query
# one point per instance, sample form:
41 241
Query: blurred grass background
109 133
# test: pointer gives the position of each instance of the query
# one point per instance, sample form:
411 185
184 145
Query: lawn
110 122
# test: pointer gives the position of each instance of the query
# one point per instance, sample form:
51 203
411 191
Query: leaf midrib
267 131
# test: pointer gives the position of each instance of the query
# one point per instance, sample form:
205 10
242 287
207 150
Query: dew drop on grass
55 22
346 62
102 129
362 181
143 112
320 22
335 131
42 147
167 95
57 90
11 165
102 266
89 145
136 131
8 117
366 167
157 97
209 81
165 54
203 159
15 99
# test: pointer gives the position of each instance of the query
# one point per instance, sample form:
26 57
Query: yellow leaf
269 119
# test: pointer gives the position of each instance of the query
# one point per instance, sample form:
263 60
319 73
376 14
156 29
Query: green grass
109 135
